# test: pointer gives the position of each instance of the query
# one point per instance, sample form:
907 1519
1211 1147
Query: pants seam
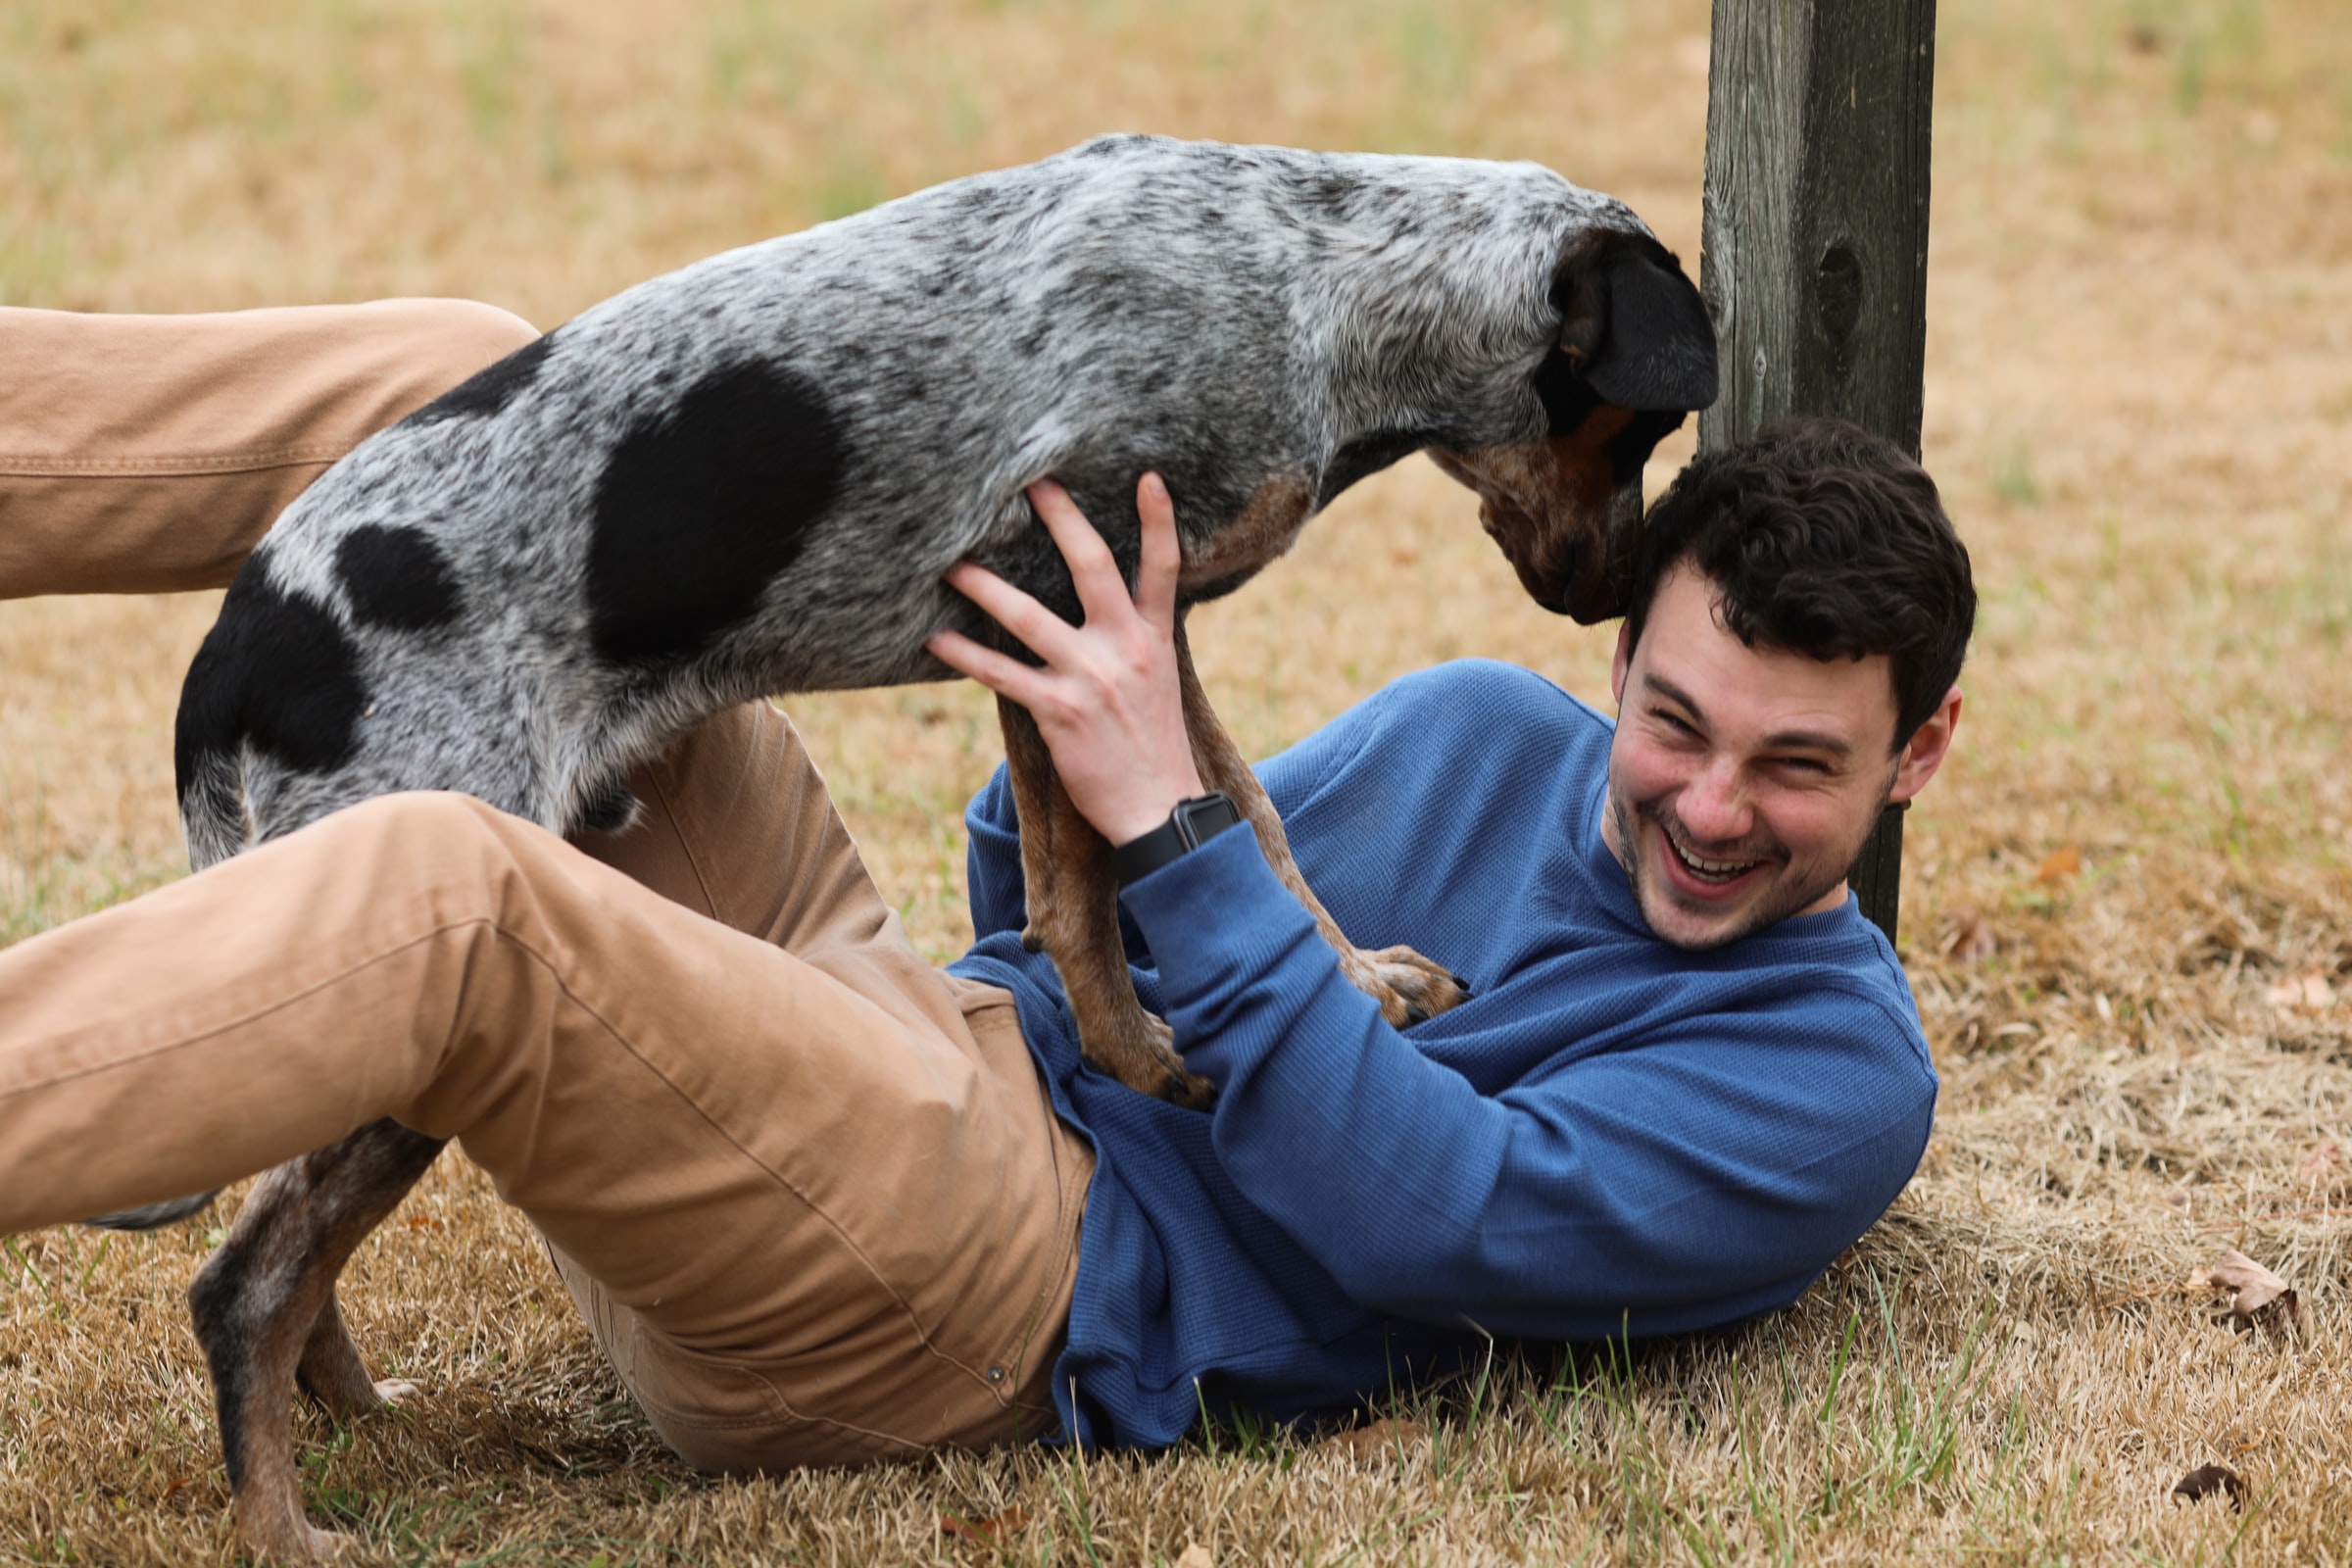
169 466
243 1020
694 860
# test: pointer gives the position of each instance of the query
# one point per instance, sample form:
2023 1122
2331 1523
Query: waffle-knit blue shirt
1611 1137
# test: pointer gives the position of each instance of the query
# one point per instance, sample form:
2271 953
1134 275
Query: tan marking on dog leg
329 1369
1399 979
1079 927
1029 769
1263 529
257 1305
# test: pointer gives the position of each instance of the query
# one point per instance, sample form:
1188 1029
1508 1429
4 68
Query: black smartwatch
1193 823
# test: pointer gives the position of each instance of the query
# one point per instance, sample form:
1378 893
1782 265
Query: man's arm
1705 1173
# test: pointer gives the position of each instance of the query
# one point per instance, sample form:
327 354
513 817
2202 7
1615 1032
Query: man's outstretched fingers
1094 569
1041 631
1163 554
1005 676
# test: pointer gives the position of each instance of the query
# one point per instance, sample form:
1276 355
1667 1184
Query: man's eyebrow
1674 694
1802 740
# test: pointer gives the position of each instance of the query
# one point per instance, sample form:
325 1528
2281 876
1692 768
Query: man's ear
1930 744
1620 661
1634 324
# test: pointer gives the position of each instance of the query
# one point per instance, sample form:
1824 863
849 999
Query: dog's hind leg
1408 987
265 1312
1033 789
1074 910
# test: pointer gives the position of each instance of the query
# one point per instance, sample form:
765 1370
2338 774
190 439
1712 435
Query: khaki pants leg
814 1203
146 454
738 826
811 1225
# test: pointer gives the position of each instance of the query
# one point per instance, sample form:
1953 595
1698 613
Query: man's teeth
1725 869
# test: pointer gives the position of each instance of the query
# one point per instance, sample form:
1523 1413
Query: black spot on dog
702 506
488 390
275 673
396 579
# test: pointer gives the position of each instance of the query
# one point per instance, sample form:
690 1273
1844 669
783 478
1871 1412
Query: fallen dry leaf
2251 1287
992 1530
1378 1441
2303 992
1972 941
2207 1478
2059 864
1196 1556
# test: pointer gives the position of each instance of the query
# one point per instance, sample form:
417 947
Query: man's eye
1804 765
1675 723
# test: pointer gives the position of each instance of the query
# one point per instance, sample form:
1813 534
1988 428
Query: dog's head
1635 355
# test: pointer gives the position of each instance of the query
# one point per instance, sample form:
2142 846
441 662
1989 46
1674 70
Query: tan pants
809 1191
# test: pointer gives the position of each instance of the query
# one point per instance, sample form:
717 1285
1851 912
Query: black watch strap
1193 823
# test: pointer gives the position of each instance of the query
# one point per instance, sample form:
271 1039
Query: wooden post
1814 244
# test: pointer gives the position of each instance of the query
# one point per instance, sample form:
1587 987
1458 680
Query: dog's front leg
1074 911
1408 987
262 1303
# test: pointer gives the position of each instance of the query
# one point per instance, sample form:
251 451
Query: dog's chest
1262 530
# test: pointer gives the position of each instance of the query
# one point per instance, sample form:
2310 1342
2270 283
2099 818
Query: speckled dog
748 476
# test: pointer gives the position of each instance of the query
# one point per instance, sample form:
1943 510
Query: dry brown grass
2139 404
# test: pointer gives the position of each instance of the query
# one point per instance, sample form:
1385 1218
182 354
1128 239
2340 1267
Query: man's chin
1699 930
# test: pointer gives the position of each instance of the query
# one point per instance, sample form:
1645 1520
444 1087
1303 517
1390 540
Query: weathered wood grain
1814 260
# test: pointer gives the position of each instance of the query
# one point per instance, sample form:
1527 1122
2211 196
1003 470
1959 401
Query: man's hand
1106 699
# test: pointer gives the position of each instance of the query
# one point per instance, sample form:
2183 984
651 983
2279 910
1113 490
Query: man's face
1744 781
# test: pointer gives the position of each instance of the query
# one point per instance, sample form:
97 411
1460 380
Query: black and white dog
747 478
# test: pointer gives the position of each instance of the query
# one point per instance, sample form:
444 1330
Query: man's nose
1714 807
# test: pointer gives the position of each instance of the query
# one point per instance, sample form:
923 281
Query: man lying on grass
820 1203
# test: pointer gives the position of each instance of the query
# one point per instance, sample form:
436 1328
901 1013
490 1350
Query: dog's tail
209 732
149 1217
211 802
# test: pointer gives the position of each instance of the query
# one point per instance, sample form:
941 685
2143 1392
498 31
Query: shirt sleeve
1705 1171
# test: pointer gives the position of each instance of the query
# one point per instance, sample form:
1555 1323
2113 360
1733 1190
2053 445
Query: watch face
1204 817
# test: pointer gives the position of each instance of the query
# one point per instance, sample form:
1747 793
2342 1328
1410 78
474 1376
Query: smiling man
1690 1072
1801 614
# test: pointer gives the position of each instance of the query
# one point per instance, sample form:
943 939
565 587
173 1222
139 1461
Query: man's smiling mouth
1719 872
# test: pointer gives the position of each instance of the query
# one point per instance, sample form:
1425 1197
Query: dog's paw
299 1542
1140 1053
391 1391
1410 988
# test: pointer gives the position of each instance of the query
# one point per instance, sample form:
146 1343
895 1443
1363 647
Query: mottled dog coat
747 478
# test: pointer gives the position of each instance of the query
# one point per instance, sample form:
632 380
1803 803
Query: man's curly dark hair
1823 539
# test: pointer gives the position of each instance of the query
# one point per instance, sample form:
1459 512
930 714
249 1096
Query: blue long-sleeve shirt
1610 1136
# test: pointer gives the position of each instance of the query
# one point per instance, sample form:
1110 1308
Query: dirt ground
2126 910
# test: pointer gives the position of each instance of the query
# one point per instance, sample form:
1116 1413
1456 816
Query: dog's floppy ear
1635 325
